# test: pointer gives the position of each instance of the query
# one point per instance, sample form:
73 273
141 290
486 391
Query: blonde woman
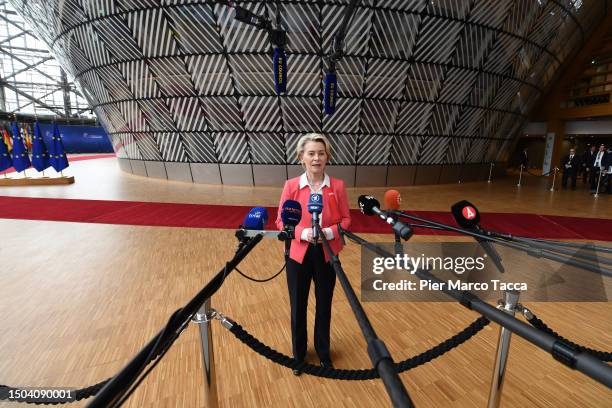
307 259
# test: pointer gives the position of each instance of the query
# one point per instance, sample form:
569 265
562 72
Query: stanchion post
490 171
552 188
508 305
203 319
520 176
598 183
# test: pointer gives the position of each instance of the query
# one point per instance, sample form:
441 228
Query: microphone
279 61
253 224
392 203
256 219
315 206
291 214
393 199
370 206
468 217
329 93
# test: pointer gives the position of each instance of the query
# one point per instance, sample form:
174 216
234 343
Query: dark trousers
570 174
299 276
594 177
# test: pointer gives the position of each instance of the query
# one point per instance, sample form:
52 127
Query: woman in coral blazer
307 259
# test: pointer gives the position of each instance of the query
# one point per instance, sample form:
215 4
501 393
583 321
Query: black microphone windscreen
465 214
291 213
367 204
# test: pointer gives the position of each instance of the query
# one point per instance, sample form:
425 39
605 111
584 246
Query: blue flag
58 158
40 155
21 160
5 157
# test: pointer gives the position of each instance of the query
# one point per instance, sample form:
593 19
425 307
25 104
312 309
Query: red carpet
229 217
71 159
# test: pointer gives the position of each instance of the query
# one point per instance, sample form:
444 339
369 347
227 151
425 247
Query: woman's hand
309 237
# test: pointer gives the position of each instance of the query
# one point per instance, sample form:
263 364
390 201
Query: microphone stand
379 355
561 351
399 248
119 385
531 250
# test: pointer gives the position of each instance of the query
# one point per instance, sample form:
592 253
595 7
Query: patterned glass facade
422 82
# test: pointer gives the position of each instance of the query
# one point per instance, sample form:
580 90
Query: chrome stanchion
520 176
203 318
598 183
507 305
552 188
490 171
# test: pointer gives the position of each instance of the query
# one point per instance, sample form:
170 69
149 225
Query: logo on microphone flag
469 212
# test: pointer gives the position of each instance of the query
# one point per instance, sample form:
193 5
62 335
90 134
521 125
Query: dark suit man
587 164
570 165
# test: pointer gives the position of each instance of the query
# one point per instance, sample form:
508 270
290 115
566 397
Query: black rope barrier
358 374
540 325
539 175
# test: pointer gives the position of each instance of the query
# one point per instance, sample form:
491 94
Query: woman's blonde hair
313 137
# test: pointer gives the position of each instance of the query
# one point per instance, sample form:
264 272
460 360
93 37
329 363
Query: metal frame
26 59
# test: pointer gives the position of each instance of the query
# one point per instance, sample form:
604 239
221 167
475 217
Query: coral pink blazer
335 211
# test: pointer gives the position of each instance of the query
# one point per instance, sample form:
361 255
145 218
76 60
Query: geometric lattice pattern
422 82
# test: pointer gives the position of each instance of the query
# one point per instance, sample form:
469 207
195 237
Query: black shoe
298 371
327 364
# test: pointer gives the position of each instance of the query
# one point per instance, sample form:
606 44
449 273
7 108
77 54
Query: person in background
597 166
523 159
606 165
307 259
587 164
570 165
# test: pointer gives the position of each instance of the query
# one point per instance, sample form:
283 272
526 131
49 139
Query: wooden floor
77 301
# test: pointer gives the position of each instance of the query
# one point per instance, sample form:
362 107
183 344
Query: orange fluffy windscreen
392 200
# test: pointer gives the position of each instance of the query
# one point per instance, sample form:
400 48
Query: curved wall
442 85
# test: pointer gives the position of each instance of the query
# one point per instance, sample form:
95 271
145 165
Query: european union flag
5 157
21 160
40 155
58 158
